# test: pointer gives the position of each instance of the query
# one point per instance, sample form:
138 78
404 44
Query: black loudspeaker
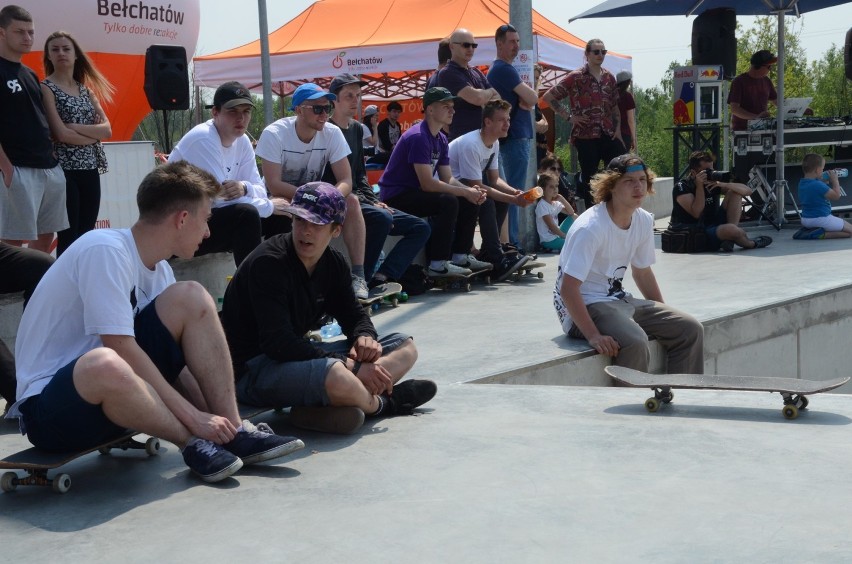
166 77
714 40
847 54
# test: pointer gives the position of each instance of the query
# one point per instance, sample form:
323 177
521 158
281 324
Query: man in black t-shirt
32 203
696 201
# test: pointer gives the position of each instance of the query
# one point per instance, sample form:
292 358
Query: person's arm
272 178
631 124
527 97
6 168
568 208
383 131
833 186
478 96
446 184
500 191
742 113
551 225
569 290
59 131
343 173
694 204
647 283
541 126
735 187
101 129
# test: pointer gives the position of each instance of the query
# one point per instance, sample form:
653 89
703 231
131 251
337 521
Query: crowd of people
133 348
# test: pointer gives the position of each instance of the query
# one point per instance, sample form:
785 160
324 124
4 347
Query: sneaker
508 266
210 461
805 233
511 248
449 270
726 246
359 286
259 443
338 420
471 263
762 241
407 396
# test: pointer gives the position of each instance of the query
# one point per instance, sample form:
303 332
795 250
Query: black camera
718 175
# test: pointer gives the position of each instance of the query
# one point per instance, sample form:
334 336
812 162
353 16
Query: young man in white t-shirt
109 341
296 150
589 297
221 147
475 161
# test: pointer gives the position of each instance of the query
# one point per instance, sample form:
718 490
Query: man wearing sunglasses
465 82
296 150
592 94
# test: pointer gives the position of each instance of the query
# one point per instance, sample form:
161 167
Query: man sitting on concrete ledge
696 202
110 342
283 290
590 300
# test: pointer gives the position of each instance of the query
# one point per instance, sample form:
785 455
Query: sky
653 42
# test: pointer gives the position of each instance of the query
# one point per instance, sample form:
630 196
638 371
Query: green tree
831 91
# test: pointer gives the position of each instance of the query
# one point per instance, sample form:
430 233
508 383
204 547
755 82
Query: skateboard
526 269
463 282
36 462
793 390
390 292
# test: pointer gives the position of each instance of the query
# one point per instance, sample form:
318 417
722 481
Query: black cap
763 58
342 80
231 94
437 94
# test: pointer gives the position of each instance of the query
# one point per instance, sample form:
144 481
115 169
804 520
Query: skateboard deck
527 269
793 390
389 291
36 462
461 282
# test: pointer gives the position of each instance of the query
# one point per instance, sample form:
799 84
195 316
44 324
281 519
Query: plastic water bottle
533 194
379 262
841 173
330 329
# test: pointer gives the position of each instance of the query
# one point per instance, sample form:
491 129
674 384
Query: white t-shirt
301 162
202 147
542 209
598 252
368 136
88 292
469 156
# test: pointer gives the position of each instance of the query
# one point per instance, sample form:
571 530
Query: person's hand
832 176
278 205
212 427
365 349
233 189
474 195
522 202
375 378
578 120
605 344
7 171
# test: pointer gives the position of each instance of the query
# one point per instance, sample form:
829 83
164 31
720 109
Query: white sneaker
470 262
448 270
359 286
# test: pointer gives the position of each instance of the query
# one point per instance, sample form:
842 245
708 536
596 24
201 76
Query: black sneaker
508 266
258 443
339 420
761 242
407 396
210 461
726 246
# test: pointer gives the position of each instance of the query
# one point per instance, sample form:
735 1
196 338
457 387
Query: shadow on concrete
731 413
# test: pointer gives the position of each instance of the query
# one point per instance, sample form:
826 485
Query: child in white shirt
552 235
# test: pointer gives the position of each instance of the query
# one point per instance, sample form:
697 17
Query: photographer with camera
696 202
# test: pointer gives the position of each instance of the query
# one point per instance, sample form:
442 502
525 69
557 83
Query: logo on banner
338 60
524 57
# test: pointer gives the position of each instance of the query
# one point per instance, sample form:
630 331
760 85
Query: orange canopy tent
393 44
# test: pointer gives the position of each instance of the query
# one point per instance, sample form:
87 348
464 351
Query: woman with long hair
73 90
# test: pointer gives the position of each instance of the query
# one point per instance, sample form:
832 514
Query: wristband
356 367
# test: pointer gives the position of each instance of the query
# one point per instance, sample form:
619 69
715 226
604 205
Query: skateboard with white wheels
388 292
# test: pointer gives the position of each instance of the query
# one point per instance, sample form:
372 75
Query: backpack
415 280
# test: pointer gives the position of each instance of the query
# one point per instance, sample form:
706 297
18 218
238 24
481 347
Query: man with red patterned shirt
593 112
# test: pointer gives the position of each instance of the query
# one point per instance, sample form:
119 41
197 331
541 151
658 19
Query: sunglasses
597 51
506 28
466 45
320 109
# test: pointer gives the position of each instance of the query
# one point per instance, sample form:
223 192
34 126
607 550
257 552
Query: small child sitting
814 198
550 234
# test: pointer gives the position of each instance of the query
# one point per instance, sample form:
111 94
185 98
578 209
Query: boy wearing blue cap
296 150
282 290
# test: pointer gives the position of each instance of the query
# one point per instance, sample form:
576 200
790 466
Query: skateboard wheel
315 337
802 402
403 297
467 287
61 483
152 446
668 397
105 449
375 307
652 404
790 411
9 481
540 275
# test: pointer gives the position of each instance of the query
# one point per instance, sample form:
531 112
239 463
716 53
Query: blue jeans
514 158
380 223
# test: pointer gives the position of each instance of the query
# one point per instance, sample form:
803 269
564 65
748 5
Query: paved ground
499 473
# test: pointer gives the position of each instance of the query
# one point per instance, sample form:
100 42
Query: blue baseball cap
309 91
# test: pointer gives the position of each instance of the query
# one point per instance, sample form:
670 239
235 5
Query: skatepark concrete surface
501 473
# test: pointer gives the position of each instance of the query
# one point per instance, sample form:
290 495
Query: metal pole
265 71
520 16
779 142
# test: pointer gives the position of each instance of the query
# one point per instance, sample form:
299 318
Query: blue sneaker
258 443
209 460
805 233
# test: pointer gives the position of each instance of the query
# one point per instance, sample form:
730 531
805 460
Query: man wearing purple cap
283 290
296 150
221 147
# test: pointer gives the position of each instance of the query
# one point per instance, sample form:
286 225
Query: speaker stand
167 141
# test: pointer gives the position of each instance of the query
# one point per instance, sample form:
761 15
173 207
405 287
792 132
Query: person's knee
187 296
353 206
103 370
340 382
